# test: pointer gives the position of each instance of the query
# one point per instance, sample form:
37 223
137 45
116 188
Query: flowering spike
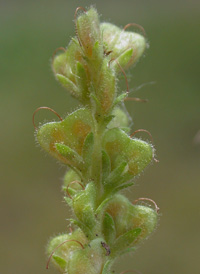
95 143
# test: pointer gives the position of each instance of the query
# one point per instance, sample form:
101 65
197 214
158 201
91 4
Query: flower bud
64 67
89 260
64 140
63 246
118 210
106 87
120 120
143 217
71 176
88 30
127 221
125 47
122 149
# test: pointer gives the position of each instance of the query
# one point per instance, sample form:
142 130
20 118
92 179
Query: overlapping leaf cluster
94 143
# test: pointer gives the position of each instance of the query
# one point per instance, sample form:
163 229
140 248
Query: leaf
109 228
125 241
119 99
122 60
68 84
71 132
120 120
60 261
59 64
120 187
83 205
106 166
71 156
71 191
68 201
121 148
102 205
69 177
97 53
108 119
95 101
82 226
115 175
87 151
107 267
82 82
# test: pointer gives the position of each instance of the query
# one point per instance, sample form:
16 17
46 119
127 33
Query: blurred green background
32 207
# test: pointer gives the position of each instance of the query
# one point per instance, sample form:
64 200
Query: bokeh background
32 207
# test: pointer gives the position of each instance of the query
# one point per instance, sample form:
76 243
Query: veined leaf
125 241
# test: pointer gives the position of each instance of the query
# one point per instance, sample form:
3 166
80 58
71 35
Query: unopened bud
61 248
88 30
125 47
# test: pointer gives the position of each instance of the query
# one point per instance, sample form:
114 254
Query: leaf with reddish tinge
120 147
66 138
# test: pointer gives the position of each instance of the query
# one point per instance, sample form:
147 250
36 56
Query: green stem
97 160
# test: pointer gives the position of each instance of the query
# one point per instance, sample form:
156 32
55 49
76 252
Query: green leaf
71 132
68 201
120 120
82 82
123 60
71 191
86 230
59 64
120 187
115 176
108 119
97 53
88 147
69 177
109 228
119 99
102 205
121 148
83 205
60 261
96 105
107 267
125 241
71 156
106 166
68 84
